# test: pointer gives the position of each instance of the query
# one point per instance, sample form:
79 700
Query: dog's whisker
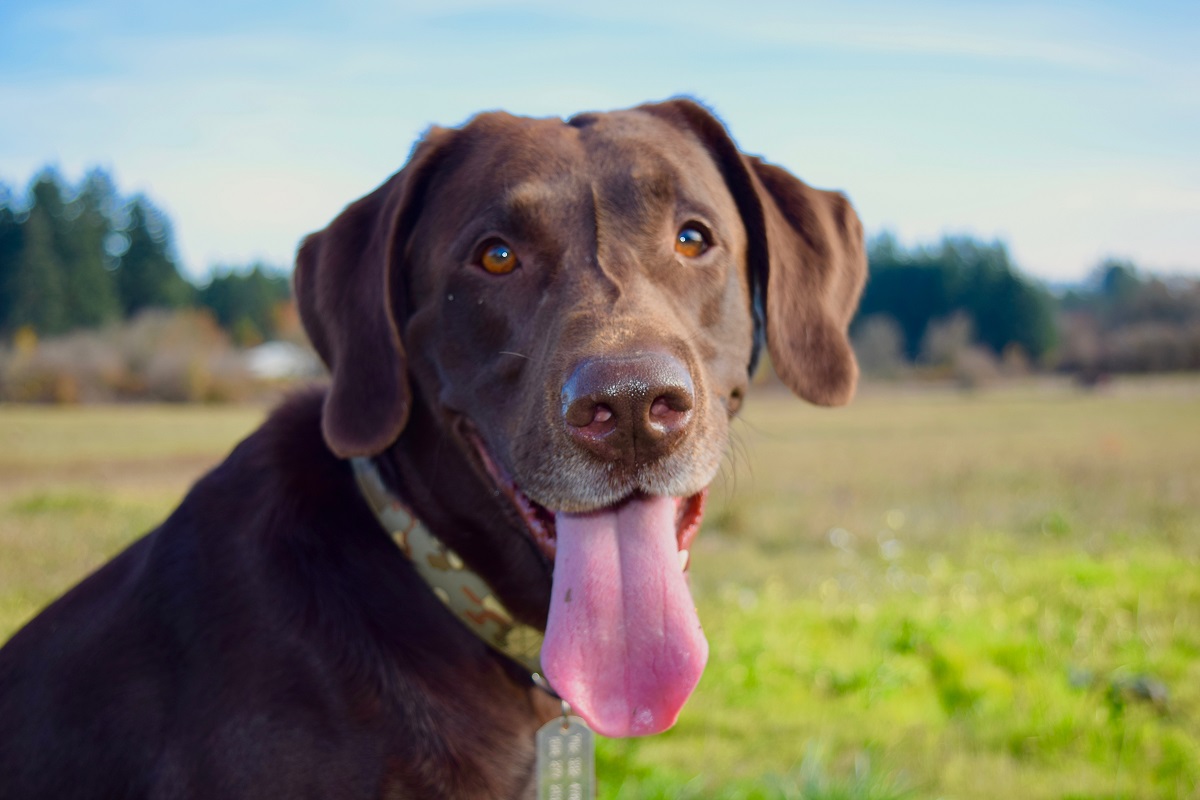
744 447
511 353
738 456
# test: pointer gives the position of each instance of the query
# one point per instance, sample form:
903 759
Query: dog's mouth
623 643
542 527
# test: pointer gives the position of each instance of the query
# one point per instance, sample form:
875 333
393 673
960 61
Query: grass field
926 594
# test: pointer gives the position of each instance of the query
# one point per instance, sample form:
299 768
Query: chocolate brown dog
538 331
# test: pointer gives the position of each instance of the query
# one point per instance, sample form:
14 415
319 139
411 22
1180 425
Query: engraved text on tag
566 755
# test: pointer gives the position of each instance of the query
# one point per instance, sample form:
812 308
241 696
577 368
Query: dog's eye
691 241
498 258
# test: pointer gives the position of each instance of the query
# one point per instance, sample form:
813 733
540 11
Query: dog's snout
633 409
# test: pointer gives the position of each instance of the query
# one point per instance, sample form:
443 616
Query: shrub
172 356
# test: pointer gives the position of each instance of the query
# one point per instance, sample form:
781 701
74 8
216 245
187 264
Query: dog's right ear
349 288
805 257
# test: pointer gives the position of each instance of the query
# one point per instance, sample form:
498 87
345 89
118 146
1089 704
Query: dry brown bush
1153 346
172 356
879 346
948 351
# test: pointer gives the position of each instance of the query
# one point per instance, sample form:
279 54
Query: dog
538 332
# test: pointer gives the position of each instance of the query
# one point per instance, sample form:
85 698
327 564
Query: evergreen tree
1118 279
37 295
910 288
959 275
246 303
11 243
89 284
146 275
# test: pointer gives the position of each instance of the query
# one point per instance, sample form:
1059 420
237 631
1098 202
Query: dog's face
555 266
576 301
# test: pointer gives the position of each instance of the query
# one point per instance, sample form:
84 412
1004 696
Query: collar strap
464 592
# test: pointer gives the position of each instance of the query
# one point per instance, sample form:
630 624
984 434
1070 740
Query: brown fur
269 640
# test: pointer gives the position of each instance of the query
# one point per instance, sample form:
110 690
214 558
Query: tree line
919 287
85 256
1124 320
930 304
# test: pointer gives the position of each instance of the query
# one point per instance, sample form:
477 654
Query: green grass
926 594
79 484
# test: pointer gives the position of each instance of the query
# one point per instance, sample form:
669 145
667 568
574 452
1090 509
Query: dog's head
581 303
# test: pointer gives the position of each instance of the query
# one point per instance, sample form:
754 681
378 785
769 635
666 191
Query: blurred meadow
930 593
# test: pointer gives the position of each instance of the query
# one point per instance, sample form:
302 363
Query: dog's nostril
581 412
672 400
586 412
669 413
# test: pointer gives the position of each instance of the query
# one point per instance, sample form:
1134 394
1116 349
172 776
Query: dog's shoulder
162 636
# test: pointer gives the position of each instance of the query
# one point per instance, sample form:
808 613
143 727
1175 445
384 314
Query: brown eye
691 241
498 258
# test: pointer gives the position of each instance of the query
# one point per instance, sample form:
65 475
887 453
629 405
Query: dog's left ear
349 287
806 260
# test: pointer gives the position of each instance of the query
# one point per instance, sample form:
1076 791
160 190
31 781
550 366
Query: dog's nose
633 409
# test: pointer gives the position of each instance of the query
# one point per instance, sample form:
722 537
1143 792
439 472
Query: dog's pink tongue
623 643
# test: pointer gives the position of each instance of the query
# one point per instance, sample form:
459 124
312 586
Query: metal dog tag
566 760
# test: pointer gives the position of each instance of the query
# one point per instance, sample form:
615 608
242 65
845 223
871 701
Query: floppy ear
349 287
817 267
805 256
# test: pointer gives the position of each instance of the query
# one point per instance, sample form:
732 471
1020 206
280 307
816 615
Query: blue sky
1071 130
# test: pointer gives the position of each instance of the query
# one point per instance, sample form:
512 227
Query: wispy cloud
254 123
908 39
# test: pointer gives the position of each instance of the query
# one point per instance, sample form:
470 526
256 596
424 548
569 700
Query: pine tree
246 303
961 275
146 275
11 242
36 286
90 286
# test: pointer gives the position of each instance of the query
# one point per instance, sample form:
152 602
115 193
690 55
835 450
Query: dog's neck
429 467
462 591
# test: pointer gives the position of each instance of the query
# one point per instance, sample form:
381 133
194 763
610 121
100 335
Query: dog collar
464 592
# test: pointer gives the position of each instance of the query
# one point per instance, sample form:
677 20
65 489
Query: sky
1069 130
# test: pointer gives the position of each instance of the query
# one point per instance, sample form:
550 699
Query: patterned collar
462 591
